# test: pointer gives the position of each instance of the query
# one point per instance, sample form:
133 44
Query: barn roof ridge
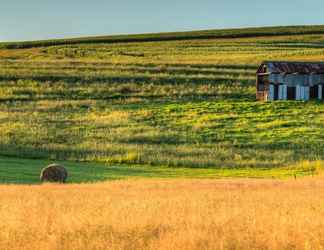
291 67
301 62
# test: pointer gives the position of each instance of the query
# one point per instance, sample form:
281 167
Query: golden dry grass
165 214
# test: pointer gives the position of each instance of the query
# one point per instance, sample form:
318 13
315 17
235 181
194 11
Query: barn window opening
313 92
291 93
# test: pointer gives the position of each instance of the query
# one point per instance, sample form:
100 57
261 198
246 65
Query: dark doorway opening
291 93
276 92
313 92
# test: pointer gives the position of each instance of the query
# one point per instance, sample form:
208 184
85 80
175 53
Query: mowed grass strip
236 51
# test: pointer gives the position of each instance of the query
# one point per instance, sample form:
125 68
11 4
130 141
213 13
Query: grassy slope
186 103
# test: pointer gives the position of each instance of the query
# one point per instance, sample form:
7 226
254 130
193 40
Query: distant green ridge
174 36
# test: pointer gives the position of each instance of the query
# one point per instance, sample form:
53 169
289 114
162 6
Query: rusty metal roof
293 67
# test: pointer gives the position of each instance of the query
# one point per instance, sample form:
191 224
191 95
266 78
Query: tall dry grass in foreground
179 214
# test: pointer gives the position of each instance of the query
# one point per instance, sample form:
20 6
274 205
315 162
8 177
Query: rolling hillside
174 36
169 100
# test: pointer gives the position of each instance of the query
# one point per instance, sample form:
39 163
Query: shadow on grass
27 171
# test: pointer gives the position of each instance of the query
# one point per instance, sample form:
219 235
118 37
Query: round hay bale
54 173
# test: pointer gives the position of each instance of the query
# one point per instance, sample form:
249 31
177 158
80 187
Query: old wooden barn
290 81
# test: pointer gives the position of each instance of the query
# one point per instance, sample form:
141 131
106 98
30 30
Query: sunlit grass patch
164 214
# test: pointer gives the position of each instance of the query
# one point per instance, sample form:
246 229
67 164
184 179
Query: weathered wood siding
271 94
320 92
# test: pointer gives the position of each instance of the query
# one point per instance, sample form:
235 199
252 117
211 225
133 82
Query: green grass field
26 171
161 105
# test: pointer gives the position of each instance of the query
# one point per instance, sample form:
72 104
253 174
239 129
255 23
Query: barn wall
299 93
305 93
282 92
320 92
271 94
290 80
296 79
294 87
262 86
